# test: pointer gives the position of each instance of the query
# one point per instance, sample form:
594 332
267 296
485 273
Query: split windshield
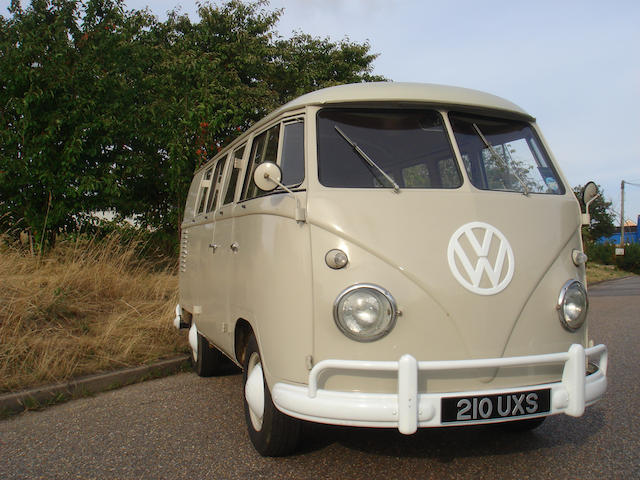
410 148
383 148
504 155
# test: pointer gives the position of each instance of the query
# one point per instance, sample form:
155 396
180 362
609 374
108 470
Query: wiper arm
502 161
365 157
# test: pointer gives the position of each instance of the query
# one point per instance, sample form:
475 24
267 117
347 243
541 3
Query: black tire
517 426
208 361
275 434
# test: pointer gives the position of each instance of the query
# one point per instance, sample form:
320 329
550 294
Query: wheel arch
242 332
186 315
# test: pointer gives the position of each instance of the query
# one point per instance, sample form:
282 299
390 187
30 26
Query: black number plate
488 407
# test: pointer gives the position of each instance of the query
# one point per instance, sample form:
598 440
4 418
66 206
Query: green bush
630 261
602 253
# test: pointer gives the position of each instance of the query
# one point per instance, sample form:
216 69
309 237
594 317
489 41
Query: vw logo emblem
481 258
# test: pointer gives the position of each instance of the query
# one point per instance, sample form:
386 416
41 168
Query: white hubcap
254 391
193 341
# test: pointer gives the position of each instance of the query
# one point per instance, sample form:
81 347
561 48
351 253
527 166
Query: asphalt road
188 427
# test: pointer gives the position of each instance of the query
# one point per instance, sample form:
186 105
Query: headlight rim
379 289
561 303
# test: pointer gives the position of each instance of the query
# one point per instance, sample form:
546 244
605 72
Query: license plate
495 407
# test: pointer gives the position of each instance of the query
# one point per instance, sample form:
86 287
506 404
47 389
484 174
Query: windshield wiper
365 157
502 161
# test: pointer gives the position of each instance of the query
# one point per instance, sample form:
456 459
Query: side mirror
267 176
589 192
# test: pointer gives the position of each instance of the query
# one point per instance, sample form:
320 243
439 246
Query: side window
205 186
217 182
264 149
237 166
192 197
292 161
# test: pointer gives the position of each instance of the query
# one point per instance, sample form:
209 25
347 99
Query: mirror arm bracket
586 218
301 214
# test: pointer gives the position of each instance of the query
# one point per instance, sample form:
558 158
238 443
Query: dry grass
83 308
597 273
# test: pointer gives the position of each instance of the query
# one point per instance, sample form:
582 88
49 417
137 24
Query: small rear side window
237 166
217 183
205 186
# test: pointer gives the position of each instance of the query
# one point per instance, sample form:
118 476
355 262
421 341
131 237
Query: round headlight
572 305
365 312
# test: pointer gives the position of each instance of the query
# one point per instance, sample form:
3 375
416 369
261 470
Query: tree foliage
104 108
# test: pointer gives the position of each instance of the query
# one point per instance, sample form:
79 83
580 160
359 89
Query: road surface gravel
189 427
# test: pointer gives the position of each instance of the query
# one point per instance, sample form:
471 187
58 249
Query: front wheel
272 433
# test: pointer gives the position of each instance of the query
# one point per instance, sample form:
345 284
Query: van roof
398 92
403 93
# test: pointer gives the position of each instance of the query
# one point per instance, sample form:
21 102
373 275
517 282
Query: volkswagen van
389 255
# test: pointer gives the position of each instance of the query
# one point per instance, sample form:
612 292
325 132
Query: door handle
213 247
234 247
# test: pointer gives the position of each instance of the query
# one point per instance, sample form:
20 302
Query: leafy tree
226 72
212 87
103 108
304 63
602 217
72 84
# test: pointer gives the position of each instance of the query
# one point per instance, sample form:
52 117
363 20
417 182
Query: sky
574 65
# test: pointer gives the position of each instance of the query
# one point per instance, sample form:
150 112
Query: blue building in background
630 235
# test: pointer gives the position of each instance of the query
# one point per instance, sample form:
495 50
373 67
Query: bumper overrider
408 409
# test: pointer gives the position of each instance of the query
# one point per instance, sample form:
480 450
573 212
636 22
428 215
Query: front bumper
408 409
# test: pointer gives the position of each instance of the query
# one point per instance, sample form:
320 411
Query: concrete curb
48 394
